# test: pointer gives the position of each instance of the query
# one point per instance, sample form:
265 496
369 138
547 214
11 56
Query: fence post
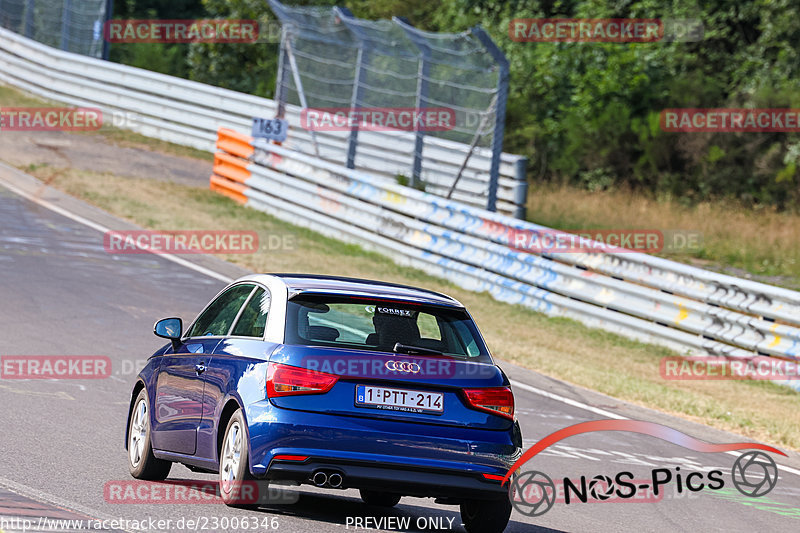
280 90
109 14
66 17
298 84
355 100
352 141
29 8
500 112
422 95
521 196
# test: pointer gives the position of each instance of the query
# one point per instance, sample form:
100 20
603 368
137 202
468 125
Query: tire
380 499
236 484
486 516
141 461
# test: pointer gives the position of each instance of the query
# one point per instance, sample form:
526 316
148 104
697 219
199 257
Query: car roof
319 284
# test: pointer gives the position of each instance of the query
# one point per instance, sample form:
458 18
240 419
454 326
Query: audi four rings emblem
402 366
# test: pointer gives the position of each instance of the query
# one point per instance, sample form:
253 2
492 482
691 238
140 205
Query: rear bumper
440 483
405 458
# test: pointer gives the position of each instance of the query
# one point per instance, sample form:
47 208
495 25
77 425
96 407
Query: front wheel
486 516
141 461
236 485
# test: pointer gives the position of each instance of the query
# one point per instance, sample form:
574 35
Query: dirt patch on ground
96 153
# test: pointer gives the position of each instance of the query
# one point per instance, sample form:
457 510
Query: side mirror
170 328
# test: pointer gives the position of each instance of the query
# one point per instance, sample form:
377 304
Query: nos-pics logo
533 493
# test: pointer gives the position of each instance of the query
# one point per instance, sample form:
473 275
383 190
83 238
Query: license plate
410 401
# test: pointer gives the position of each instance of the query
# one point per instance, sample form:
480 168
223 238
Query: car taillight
497 400
285 380
301 458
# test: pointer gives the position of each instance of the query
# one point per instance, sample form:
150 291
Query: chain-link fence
72 25
333 61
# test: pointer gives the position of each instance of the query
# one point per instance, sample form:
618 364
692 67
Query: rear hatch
389 360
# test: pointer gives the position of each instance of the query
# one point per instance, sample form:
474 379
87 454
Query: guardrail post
500 112
66 16
521 196
28 27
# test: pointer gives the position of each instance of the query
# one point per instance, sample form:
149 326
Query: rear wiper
415 350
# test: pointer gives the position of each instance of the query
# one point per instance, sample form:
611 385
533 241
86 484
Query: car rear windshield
378 325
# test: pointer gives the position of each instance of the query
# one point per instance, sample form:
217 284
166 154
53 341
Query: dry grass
555 347
760 242
13 98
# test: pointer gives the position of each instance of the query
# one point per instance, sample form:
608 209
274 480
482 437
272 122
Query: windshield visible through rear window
378 325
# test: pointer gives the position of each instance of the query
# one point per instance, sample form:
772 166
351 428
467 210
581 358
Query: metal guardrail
190 113
688 309
691 310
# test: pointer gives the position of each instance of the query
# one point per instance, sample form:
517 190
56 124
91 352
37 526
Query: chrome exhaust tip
335 480
320 479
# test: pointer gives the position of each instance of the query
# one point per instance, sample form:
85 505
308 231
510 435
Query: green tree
585 113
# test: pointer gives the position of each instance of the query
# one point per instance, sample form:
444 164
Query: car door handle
200 368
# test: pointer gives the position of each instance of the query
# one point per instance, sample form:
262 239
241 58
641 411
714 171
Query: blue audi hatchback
333 382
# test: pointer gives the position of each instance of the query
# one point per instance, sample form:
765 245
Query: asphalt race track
62 440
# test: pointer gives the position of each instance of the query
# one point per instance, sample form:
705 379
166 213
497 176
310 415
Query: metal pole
108 16
521 197
28 27
419 134
299 85
66 15
472 146
355 100
422 94
500 112
280 89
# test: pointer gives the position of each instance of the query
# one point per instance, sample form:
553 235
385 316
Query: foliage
588 113
589 110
